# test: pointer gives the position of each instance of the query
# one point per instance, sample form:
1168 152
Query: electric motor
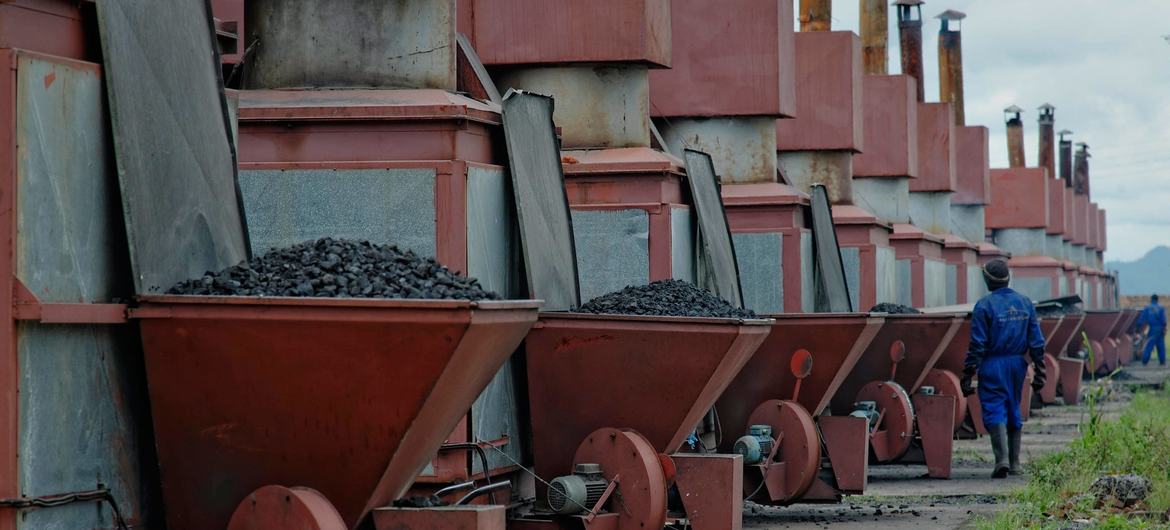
756 446
926 390
577 493
867 410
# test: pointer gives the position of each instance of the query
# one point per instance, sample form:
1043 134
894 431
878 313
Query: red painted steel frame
828 95
655 375
1098 325
857 228
916 246
891 128
349 397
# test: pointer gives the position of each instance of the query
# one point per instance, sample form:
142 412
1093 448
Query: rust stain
569 160
570 343
222 433
52 76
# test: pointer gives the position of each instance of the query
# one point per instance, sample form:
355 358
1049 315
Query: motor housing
579 492
867 410
756 445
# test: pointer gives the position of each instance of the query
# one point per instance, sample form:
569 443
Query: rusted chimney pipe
1081 170
875 36
910 33
1066 173
1015 136
950 63
816 15
1047 154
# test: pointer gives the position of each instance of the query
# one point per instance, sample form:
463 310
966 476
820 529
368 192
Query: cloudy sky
1106 70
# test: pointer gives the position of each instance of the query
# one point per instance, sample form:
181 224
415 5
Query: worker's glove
1039 376
966 385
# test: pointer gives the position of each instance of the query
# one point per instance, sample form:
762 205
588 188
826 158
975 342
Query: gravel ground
666 298
338 268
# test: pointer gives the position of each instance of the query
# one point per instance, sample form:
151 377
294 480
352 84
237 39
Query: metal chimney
910 32
875 36
1066 158
1047 154
816 15
1015 136
1081 170
950 63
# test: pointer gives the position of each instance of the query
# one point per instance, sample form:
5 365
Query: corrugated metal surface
176 164
682 244
286 207
851 259
83 410
612 250
888 283
935 277
761 270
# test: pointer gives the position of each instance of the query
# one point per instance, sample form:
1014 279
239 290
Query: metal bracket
26 306
603 499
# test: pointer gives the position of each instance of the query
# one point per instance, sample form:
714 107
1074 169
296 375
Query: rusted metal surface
229 419
1066 160
875 37
53 27
936 421
1047 148
1093 221
612 371
829 169
526 32
711 487
1021 199
1057 216
950 64
470 517
187 198
836 343
1081 170
1070 379
742 66
273 507
1102 237
828 94
910 37
1015 137
816 15
891 128
1080 220
936 149
972 168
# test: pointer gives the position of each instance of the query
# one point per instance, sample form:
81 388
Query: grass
1137 442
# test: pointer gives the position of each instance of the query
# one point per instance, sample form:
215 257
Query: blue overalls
1154 316
1004 329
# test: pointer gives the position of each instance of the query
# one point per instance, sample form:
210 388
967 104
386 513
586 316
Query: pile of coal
1058 310
665 298
338 268
894 309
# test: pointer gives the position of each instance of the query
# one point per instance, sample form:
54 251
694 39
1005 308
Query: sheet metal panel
935 280
546 228
496 414
851 260
905 283
976 289
833 289
716 268
1033 287
807 279
493 253
171 135
613 250
887 279
761 268
682 244
952 294
387 206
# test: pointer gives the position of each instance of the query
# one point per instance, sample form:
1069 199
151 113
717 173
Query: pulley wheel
891 439
281 508
946 383
640 497
799 452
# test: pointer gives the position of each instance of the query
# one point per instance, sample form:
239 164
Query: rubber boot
999 445
1014 438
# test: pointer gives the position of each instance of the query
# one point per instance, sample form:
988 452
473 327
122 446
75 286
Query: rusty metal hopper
835 342
1048 327
655 375
1098 325
1122 340
1066 333
348 397
919 339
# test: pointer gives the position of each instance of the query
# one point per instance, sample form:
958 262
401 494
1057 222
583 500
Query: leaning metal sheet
829 265
172 140
717 270
546 228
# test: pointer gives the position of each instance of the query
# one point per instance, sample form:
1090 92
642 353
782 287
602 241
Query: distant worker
1155 317
1005 335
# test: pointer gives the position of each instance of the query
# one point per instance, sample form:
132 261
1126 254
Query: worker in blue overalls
1155 317
1005 336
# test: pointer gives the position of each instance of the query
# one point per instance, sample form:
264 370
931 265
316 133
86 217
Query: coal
338 268
664 298
894 309
1125 490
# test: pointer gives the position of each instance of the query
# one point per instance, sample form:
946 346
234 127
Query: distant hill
1150 274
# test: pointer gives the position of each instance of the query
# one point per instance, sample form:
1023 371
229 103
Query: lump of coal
1125 490
664 298
894 309
338 268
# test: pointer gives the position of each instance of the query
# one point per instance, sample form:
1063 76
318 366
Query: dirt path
897 496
